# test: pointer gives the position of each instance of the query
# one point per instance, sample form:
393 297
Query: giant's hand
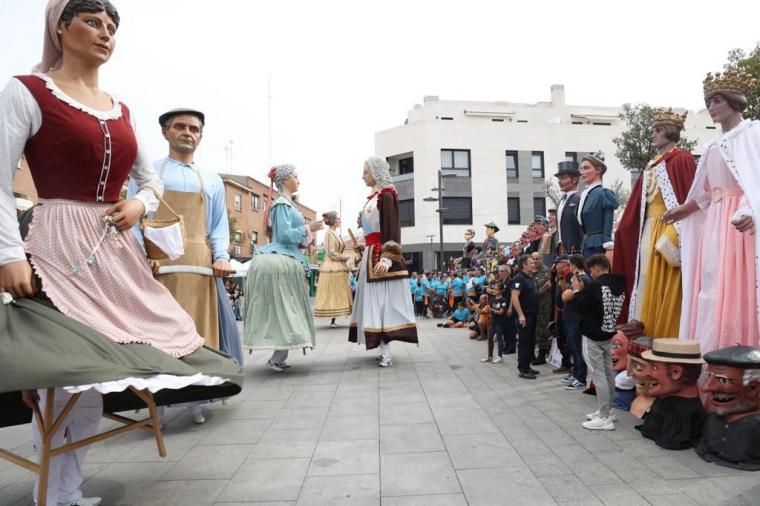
222 268
17 278
125 213
745 224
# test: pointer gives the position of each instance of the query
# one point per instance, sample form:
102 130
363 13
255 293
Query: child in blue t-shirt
459 319
420 292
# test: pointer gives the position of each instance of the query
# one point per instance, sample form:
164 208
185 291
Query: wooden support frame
50 425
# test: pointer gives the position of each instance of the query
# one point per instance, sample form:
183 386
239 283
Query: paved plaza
438 428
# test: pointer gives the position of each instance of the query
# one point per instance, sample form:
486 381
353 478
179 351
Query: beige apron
196 293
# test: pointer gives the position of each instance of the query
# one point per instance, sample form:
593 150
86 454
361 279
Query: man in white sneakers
599 304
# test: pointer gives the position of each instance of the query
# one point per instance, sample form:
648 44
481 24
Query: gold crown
667 116
732 79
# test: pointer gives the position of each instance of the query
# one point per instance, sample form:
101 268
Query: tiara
732 79
669 117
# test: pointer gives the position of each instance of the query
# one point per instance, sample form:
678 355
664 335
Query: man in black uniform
525 303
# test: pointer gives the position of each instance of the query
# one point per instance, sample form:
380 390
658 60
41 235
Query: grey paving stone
209 462
426 500
350 427
357 490
124 483
300 418
284 448
616 494
464 421
410 438
595 473
417 474
546 465
249 409
477 451
354 406
182 493
567 488
266 480
243 432
317 399
515 485
404 413
333 458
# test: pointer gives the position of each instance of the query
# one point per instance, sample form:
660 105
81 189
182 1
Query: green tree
232 223
749 62
634 145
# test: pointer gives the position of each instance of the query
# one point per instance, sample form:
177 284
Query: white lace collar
114 113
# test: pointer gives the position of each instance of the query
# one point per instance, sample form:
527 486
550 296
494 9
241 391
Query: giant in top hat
182 110
569 168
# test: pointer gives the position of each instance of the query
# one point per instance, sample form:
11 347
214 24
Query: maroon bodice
75 155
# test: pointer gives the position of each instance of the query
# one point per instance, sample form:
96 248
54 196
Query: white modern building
501 154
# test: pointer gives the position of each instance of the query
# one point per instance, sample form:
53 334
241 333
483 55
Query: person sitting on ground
481 330
458 319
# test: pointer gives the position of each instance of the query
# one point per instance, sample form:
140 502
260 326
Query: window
255 202
238 202
459 210
571 156
254 237
512 170
406 166
406 212
602 123
237 249
513 210
456 161
539 206
537 164
447 118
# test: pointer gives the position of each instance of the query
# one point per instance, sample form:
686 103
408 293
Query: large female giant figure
334 291
278 312
719 248
383 309
81 147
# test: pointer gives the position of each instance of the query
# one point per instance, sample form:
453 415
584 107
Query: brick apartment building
246 198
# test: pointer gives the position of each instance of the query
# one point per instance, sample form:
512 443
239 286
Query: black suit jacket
570 230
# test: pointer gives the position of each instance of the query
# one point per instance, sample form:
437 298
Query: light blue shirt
182 177
458 286
288 231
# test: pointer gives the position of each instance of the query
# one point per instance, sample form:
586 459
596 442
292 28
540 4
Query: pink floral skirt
115 294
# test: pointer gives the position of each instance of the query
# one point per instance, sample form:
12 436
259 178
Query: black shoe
534 372
541 360
590 391
439 325
527 376
510 352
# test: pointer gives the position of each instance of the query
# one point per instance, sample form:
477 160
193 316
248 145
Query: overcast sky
343 70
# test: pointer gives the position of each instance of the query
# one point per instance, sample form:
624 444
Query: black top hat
182 110
568 167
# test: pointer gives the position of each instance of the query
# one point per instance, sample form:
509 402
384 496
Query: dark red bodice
75 155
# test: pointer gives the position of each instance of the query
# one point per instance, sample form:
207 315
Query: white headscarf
381 171
52 53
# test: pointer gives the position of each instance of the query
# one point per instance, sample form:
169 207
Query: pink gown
724 297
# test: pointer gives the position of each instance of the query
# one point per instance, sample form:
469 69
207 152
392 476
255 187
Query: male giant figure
198 195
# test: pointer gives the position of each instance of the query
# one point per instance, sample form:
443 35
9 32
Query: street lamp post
439 189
